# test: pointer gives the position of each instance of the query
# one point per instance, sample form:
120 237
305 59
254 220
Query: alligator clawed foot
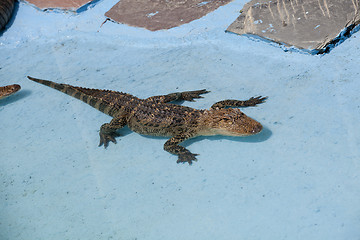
106 138
253 101
191 95
187 157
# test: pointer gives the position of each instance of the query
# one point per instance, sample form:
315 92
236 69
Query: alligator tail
86 95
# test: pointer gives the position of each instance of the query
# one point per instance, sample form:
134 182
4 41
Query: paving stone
305 24
161 14
71 5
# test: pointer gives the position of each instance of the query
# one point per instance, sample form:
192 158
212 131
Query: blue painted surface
298 179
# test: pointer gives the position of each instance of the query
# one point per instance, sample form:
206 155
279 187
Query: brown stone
305 24
161 14
71 5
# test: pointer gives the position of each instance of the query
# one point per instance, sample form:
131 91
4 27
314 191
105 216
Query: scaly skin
6 9
155 116
8 90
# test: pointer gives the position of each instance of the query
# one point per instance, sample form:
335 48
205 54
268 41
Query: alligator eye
226 119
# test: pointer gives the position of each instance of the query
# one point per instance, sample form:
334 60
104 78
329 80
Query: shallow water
298 179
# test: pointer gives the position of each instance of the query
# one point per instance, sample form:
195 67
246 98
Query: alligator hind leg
237 103
108 131
184 155
179 96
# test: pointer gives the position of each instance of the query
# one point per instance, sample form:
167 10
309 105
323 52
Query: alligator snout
257 128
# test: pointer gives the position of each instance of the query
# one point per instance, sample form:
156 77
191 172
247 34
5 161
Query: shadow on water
12 18
87 6
13 98
261 137
124 131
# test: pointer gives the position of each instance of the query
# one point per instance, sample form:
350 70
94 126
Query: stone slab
161 14
305 24
71 5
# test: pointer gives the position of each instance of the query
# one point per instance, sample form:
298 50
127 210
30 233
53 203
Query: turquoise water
298 179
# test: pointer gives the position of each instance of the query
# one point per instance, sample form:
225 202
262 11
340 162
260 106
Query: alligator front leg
237 103
179 96
108 131
172 146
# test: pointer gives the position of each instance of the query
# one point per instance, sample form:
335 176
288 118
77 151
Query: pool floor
298 179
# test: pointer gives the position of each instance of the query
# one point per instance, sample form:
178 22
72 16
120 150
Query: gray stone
305 24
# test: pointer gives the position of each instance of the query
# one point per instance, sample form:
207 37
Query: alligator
9 90
6 9
156 116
